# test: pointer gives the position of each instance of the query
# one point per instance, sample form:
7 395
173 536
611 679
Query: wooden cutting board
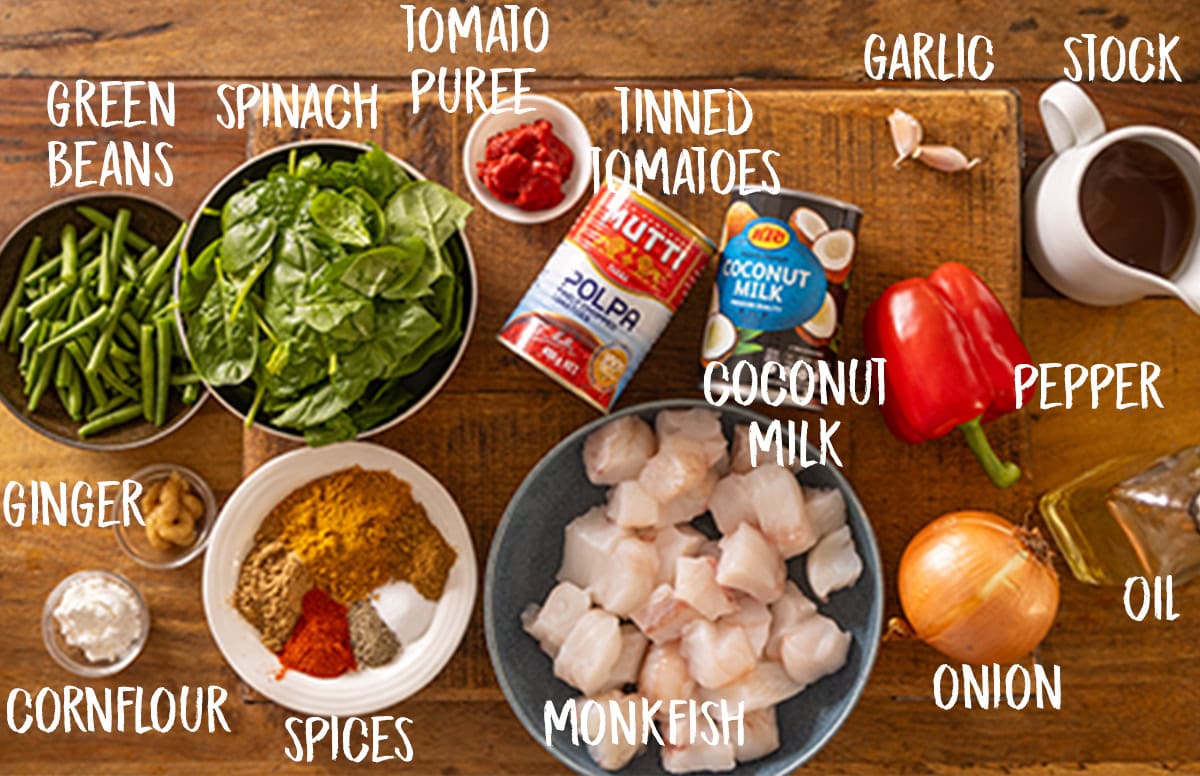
497 416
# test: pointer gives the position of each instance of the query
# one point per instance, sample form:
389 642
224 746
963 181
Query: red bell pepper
951 351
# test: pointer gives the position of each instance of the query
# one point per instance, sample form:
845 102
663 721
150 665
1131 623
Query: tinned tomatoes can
607 292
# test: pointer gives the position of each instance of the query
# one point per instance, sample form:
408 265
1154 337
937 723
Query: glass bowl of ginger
178 510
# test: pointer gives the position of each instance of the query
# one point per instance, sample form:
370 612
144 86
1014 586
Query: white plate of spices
339 580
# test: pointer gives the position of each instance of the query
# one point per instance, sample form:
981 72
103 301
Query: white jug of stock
1056 238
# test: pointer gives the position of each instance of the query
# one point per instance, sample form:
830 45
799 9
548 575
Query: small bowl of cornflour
95 623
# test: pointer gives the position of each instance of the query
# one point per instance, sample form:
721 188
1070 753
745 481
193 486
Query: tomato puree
526 166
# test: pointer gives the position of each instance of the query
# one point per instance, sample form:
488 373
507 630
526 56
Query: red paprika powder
320 644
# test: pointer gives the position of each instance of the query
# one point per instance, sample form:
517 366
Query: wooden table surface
1129 689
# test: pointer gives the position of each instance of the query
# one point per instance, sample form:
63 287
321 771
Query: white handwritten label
1112 58
377 739
926 58
1132 384
1139 599
993 687
107 105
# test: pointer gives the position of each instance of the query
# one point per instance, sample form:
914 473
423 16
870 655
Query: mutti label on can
607 292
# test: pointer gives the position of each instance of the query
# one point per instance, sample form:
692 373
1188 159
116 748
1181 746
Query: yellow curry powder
356 530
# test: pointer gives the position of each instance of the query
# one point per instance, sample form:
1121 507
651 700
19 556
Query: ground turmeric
356 530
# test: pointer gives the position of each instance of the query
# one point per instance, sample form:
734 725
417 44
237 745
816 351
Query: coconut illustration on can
782 278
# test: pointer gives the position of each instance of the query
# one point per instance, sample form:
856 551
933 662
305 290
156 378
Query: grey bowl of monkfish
525 565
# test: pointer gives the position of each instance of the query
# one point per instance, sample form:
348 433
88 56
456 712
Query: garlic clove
945 158
906 135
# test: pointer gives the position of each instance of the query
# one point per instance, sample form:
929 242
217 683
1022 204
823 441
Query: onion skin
978 588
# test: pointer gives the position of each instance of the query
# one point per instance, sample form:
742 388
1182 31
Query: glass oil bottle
1130 516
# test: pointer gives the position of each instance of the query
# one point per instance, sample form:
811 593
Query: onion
977 588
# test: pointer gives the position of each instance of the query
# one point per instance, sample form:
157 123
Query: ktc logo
768 236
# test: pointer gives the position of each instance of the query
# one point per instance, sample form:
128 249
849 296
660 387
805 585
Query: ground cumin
356 530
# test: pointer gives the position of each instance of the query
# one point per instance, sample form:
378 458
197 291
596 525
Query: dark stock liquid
1138 207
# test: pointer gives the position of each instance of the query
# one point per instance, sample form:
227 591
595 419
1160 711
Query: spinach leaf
381 405
425 209
340 217
223 343
372 213
379 175
194 283
384 270
313 408
245 242
339 428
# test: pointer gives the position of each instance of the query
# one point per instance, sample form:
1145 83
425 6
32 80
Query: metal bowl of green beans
89 351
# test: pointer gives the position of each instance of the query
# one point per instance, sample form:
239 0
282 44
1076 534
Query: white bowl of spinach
327 290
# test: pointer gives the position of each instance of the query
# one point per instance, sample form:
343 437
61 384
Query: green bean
46 303
85 324
70 254
180 381
62 374
110 420
162 357
55 264
191 392
146 354
117 243
135 240
158 271
31 331
75 396
94 386
32 253
105 408
18 325
43 372
147 258
117 384
122 355
120 370
130 324
107 282
100 351
129 268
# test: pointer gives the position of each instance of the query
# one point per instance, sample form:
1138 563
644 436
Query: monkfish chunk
691 503
629 662
750 564
697 427
696 585
753 617
589 653
826 508
767 685
588 544
618 450
717 654
779 506
731 505
792 608
760 735
833 564
551 622
627 578
674 471
630 506
664 676
816 647
663 617
610 755
689 750
673 542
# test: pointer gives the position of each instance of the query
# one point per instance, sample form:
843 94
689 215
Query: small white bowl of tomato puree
528 167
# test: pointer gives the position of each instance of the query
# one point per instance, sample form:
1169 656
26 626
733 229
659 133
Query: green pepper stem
1001 473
